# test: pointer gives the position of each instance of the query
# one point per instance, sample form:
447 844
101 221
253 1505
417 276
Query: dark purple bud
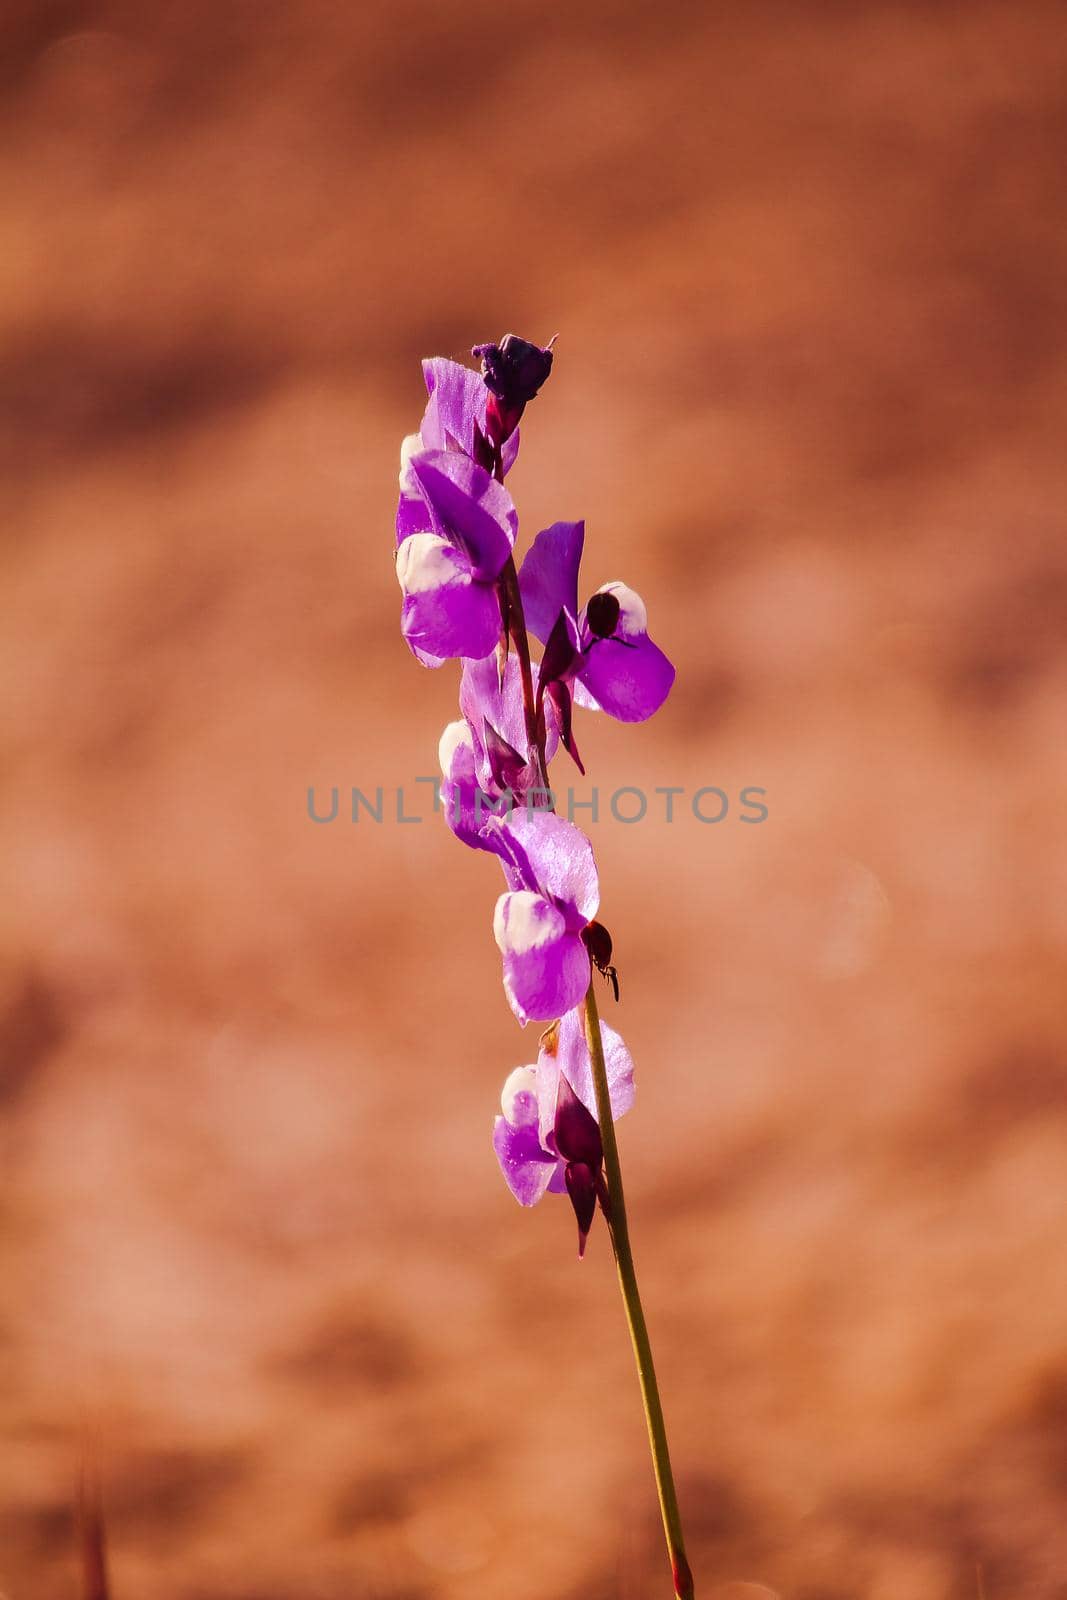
514 369
576 1129
581 1186
560 696
602 614
505 763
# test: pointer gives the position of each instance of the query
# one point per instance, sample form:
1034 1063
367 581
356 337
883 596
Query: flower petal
455 411
526 1167
548 579
629 677
482 696
456 407
553 857
467 506
445 612
572 1059
546 967
469 808
412 516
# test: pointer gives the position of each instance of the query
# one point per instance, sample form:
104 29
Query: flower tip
514 369
683 1577
580 1181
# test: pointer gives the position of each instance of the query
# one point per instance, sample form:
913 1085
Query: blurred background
807 267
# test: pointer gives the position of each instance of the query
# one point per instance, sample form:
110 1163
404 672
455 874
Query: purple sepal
505 763
561 654
560 696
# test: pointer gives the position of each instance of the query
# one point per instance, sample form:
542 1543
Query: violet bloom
485 763
448 568
454 419
543 1141
604 648
552 895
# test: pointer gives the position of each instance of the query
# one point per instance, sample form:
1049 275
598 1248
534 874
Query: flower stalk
464 598
619 1230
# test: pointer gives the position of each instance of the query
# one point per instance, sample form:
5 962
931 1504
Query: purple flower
448 568
548 1138
454 419
605 648
485 764
538 924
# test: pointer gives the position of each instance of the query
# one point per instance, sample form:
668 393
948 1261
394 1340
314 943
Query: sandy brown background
807 264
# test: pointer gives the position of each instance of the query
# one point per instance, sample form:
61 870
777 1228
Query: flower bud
514 369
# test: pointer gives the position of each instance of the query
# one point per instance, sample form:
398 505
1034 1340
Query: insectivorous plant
464 598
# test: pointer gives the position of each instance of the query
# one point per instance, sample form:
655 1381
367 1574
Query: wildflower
538 924
548 1138
455 532
601 656
448 569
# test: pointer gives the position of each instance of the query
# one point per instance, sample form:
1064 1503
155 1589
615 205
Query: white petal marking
518 1099
410 446
426 562
455 736
525 921
633 617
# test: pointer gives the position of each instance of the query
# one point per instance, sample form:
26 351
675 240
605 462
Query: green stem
635 1316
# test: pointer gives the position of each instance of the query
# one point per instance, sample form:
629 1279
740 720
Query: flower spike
464 598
